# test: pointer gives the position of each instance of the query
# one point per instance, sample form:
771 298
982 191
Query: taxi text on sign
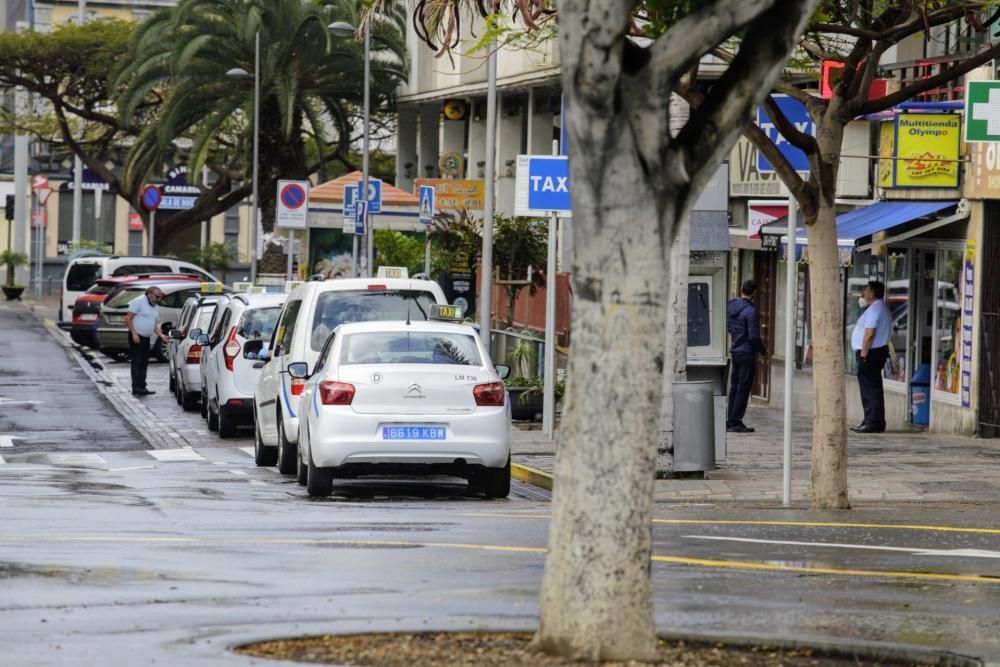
798 116
292 205
542 186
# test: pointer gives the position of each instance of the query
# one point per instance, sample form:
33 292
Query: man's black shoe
739 428
144 392
865 428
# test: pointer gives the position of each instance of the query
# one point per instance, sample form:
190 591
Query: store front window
949 321
897 298
861 270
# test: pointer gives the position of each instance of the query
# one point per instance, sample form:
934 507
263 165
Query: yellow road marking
677 560
807 524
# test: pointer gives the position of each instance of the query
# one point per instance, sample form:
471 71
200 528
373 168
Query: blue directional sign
542 185
426 197
796 114
360 217
374 194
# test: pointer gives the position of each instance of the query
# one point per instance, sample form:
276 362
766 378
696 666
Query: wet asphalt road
112 554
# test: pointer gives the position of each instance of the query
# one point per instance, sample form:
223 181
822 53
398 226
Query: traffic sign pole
291 248
152 232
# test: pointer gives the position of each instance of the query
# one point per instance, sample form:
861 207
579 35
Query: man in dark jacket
744 331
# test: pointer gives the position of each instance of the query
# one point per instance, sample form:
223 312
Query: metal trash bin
694 426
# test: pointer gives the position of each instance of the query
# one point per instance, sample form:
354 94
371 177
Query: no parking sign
292 204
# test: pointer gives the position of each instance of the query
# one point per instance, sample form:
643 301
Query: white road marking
8 440
258 482
238 472
2 462
247 450
183 454
76 459
12 401
916 551
131 468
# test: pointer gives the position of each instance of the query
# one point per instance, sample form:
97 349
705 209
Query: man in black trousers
744 331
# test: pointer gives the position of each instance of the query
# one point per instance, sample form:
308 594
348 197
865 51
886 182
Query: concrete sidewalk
887 467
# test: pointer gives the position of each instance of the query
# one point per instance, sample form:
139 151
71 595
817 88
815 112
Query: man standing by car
143 322
744 331
870 340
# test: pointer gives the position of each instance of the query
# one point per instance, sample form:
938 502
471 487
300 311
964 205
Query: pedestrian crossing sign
982 111
426 204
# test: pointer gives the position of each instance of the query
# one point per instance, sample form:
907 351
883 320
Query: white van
83 272
311 312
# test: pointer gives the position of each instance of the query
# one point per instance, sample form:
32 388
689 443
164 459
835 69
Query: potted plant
526 396
12 260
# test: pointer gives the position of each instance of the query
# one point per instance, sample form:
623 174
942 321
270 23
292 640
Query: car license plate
115 319
88 317
413 433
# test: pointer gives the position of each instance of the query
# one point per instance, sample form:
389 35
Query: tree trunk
596 592
829 441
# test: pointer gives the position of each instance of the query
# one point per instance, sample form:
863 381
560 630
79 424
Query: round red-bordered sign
293 196
152 197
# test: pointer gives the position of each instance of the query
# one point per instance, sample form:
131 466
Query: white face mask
862 303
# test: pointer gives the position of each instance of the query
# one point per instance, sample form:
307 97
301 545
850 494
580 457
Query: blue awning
867 220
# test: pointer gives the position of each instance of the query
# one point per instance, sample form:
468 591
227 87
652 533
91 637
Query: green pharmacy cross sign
982 111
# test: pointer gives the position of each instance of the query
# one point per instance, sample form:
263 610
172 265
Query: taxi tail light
491 394
232 349
336 393
298 385
193 355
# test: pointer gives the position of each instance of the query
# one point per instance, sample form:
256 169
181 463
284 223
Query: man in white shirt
870 340
143 322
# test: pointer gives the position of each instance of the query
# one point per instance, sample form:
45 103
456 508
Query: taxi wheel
173 383
494 482
301 471
178 391
189 401
227 423
263 456
213 419
204 405
286 451
319 481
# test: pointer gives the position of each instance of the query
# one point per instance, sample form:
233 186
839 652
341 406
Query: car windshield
338 307
100 288
402 347
258 323
81 276
124 298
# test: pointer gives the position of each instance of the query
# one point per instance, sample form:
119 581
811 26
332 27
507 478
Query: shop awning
865 221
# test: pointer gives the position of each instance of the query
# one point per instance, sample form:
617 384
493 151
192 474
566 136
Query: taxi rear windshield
258 323
402 347
338 307
124 298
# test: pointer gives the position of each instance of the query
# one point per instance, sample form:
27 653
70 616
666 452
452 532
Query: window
337 307
221 326
177 299
134 242
231 227
137 269
858 274
410 348
897 298
204 317
286 327
185 316
699 333
125 297
258 323
81 277
324 355
188 271
947 371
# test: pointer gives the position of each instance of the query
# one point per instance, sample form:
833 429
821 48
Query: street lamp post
240 73
78 163
342 29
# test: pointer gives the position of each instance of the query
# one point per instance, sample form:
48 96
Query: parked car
87 309
229 378
184 352
112 334
82 272
311 313
403 397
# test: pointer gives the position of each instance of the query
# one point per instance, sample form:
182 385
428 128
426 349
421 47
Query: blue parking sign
542 186
361 217
374 194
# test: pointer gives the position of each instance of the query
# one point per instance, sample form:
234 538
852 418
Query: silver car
184 352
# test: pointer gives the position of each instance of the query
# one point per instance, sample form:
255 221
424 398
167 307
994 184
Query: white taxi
404 397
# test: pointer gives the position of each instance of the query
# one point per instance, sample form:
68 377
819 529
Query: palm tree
311 84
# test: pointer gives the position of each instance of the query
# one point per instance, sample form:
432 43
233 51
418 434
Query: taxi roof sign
393 272
212 288
453 313
242 286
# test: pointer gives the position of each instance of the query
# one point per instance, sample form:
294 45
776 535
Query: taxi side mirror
503 371
176 334
252 349
299 370
195 334
203 340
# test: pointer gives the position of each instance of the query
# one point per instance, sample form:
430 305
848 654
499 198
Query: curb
533 476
